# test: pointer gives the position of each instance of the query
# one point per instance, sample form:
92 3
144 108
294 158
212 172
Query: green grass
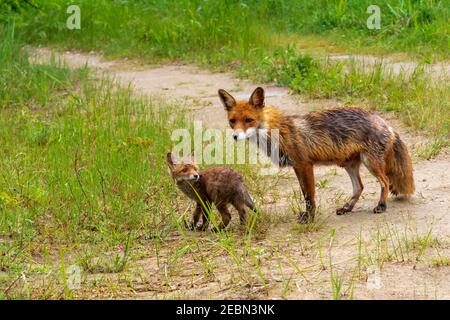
440 261
80 163
223 31
432 149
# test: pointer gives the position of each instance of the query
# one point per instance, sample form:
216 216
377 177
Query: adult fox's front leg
305 176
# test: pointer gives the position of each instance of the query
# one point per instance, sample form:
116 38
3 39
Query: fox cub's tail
399 169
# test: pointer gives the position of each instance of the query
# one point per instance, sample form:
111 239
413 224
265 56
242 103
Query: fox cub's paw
192 227
189 226
202 227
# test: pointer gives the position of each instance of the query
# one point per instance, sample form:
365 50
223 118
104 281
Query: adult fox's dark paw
346 208
305 217
381 207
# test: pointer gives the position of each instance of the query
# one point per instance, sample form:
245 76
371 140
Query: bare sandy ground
374 256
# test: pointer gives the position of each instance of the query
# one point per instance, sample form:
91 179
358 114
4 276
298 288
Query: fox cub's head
184 170
244 117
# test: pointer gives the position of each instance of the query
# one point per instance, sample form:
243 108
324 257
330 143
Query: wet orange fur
361 136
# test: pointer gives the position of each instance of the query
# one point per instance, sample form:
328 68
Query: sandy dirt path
358 238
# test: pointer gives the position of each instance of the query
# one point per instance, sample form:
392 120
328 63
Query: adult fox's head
184 170
245 116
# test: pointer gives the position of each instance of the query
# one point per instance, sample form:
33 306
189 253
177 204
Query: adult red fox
346 136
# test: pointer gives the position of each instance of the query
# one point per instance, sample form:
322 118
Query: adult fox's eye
248 120
232 121
184 170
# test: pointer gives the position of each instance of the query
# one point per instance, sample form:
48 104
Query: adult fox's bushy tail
399 169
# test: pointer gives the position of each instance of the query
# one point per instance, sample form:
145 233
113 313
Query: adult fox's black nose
196 176
235 136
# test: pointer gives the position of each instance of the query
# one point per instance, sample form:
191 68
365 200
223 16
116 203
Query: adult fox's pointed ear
169 160
257 98
227 100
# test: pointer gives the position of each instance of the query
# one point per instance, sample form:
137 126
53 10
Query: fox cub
219 186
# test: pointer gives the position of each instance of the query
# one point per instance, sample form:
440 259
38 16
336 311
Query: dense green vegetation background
230 30
81 170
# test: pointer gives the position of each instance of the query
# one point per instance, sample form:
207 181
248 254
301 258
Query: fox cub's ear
190 158
257 98
170 160
227 100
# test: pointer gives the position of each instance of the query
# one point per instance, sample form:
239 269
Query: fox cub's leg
240 207
353 171
377 168
205 221
305 175
240 201
198 212
195 218
226 216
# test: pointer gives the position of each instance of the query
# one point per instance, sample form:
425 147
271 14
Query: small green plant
322 184
440 261
431 150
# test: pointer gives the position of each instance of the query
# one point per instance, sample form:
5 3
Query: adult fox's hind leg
377 168
353 171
